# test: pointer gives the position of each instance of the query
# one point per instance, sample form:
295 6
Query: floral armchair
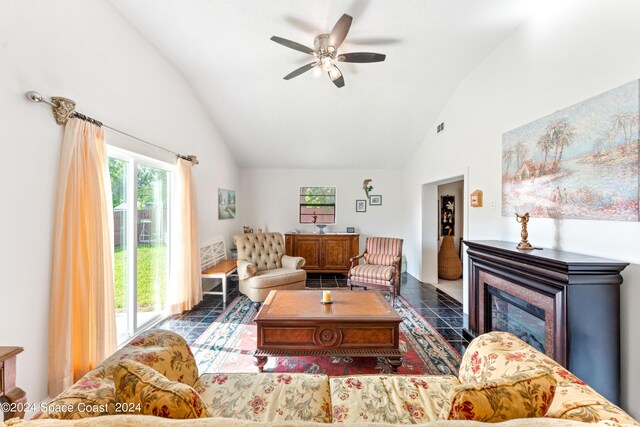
381 268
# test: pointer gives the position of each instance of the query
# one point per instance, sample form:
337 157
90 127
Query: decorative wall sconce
476 199
366 186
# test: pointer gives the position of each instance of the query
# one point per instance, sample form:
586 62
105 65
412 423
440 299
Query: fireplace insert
511 314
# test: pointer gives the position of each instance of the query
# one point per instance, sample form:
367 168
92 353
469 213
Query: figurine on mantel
524 243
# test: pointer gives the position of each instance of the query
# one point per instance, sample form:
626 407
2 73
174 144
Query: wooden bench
215 265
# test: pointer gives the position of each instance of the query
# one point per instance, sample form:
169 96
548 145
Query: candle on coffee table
326 296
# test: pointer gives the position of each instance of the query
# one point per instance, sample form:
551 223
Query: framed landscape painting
578 163
226 204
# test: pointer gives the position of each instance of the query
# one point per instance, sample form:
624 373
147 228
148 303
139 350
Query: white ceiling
382 114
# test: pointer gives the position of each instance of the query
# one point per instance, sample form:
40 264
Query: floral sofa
500 378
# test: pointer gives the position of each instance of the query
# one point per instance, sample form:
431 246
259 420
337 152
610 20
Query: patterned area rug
228 344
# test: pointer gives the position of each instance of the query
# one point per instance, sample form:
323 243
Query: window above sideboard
317 205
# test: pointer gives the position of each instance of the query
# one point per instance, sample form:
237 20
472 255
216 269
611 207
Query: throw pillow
381 259
142 390
524 395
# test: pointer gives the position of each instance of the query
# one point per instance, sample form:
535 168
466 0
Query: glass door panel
141 240
119 174
152 236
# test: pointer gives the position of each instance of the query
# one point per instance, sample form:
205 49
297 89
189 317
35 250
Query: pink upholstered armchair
381 268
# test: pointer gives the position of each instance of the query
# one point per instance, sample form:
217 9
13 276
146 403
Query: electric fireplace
565 305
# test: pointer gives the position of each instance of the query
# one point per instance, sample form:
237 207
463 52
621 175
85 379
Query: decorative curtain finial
64 109
191 158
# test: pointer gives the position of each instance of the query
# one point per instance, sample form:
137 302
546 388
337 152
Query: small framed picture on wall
226 204
375 200
361 205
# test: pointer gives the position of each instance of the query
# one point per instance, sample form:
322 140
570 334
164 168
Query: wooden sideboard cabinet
324 253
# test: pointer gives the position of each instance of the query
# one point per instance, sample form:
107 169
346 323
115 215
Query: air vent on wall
440 127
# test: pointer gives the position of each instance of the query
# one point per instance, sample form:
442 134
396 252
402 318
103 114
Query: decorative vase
449 265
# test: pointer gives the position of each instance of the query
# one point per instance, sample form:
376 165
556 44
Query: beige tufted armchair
263 266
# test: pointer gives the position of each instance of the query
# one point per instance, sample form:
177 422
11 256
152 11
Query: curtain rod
64 109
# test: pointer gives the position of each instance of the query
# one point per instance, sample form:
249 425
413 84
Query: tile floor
453 288
439 308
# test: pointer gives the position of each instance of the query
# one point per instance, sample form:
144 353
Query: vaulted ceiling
380 117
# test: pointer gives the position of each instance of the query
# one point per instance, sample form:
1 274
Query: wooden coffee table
356 324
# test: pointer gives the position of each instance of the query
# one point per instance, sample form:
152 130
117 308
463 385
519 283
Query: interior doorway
432 226
450 227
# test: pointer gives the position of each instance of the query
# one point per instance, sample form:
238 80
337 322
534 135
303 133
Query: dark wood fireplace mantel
579 295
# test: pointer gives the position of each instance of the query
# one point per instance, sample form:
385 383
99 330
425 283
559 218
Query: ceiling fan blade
374 40
303 25
336 76
361 57
293 45
301 70
340 30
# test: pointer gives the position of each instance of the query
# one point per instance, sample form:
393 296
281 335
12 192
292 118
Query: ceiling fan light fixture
334 73
327 63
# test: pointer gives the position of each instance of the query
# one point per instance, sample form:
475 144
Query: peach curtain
186 283
82 330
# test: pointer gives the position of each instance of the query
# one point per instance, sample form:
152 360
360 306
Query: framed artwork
351 229
476 199
375 200
447 216
361 205
226 204
578 163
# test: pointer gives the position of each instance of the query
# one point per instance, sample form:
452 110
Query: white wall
563 56
84 51
269 197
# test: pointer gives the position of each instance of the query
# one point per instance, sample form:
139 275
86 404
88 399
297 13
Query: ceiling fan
326 52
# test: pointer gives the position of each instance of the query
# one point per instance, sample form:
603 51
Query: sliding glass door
141 206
